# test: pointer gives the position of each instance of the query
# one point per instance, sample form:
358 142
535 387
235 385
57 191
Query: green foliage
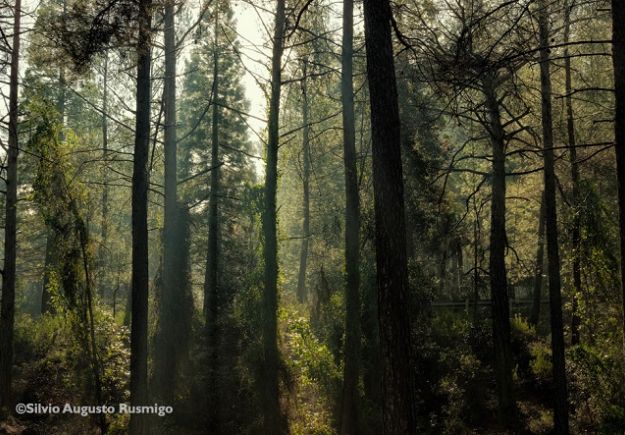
317 378
592 370
52 365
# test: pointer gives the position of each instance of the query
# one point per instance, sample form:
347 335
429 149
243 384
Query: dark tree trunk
272 418
211 279
303 258
351 367
140 181
390 232
497 261
167 338
7 308
539 266
575 180
618 60
560 405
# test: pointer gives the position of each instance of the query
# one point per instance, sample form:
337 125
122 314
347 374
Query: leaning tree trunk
303 258
211 276
497 261
560 404
272 419
575 180
351 366
140 180
534 316
618 60
7 308
167 339
390 233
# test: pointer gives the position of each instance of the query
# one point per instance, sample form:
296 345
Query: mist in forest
312 217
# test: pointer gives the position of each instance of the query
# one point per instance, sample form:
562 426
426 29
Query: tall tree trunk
561 415
390 234
618 61
211 278
497 261
539 266
303 258
140 181
272 423
166 348
7 308
351 366
105 189
576 230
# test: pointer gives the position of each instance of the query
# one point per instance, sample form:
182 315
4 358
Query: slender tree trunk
105 189
272 419
351 366
576 230
140 181
303 258
166 348
7 308
539 266
497 262
476 271
618 60
399 413
211 278
561 415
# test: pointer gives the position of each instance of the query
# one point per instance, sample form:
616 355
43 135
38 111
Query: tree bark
497 261
539 266
7 308
140 181
560 405
272 418
390 232
351 366
303 258
166 348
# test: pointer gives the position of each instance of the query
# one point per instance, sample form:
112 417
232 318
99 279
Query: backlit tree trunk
390 232
560 403
497 260
7 308
575 180
351 367
303 258
166 340
272 418
140 181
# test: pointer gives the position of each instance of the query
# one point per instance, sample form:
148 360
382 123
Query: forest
312 217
